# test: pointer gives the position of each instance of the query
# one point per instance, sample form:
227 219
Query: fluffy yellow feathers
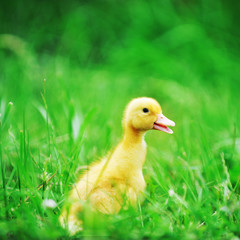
118 177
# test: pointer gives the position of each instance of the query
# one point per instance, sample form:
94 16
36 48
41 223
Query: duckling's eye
145 110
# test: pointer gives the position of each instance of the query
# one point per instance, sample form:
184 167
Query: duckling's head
143 114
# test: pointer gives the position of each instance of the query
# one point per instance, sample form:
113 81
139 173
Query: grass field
67 71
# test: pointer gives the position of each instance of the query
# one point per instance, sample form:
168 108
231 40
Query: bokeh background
70 68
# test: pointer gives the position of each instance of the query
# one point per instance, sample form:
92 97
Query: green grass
69 85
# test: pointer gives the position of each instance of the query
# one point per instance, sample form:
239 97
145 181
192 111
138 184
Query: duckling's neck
129 156
134 148
133 137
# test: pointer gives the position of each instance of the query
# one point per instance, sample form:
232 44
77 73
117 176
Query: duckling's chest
137 181
127 163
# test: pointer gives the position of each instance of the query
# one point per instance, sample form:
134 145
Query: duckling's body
117 179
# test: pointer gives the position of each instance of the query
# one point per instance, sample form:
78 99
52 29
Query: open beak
162 122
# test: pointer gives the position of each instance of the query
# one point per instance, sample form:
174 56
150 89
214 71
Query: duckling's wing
106 200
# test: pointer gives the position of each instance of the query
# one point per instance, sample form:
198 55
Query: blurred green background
70 68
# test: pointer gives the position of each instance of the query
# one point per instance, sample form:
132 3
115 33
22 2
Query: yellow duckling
117 179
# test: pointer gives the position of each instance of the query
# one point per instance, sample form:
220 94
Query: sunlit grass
190 192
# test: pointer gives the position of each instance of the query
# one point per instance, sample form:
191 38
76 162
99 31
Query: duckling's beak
162 122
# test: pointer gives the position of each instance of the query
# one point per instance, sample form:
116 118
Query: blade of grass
3 174
3 120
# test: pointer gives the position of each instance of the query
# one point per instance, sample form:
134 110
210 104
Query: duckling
117 179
